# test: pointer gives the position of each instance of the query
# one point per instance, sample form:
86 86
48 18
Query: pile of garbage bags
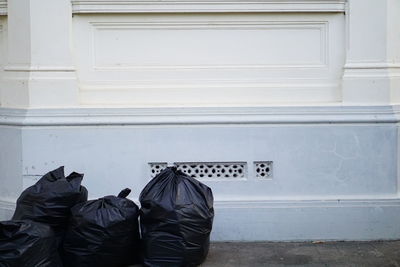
55 225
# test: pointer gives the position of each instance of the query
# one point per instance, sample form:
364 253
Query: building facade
287 109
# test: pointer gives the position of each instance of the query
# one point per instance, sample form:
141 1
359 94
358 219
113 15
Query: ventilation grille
216 170
213 170
205 170
263 169
157 167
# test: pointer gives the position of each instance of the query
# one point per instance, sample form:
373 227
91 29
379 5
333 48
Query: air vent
156 168
205 170
263 169
213 170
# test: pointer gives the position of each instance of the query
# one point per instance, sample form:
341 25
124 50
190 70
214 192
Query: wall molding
311 203
283 203
3 7
373 219
199 116
371 70
371 65
29 68
184 6
226 69
319 26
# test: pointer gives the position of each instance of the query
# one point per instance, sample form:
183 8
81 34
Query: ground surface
382 254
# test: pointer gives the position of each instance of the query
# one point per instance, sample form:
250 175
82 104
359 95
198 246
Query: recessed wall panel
209 59
195 45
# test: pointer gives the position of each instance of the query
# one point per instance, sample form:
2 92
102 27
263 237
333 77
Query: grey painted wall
10 163
311 162
330 181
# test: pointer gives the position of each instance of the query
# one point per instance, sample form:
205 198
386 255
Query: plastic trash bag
176 220
103 232
27 244
49 200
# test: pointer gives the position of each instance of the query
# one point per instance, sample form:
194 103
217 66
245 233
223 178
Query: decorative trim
208 94
3 7
284 203
263 169
289 220
371 65
310 203
262 25
132 6
199 116
28 68
382 70
185 6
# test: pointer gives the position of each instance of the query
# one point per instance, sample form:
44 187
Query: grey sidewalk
377 253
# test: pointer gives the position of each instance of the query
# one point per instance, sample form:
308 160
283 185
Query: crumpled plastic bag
49 200
103 232
27 244
176 220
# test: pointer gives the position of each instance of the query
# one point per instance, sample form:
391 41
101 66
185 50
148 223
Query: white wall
209 59
168 53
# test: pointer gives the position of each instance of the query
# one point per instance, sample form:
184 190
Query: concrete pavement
375 253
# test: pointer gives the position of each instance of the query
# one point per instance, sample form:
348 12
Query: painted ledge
180 6
324 203
196 116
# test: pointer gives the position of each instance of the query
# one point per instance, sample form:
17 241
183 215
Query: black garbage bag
50 200
103 232
26 244
176 220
